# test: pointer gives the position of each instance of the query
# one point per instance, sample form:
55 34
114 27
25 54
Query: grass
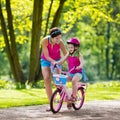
10 98
25 97
104 91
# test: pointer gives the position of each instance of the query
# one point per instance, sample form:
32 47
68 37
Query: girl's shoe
69 105
72 99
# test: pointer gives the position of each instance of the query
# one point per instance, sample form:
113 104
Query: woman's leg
47 79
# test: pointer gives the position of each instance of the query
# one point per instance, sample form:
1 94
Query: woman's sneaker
48 109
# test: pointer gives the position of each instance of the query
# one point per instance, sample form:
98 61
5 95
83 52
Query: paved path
94 110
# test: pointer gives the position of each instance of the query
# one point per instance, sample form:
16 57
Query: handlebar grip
55 68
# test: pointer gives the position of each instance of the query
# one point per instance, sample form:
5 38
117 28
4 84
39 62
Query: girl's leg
75 80
47 79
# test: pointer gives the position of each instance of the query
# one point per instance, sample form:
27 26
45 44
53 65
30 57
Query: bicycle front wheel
79 99
56 101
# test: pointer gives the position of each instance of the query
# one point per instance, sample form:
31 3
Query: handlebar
56 69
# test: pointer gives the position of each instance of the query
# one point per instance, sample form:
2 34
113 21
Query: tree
11 46
58 14
35 42
35 72
87 19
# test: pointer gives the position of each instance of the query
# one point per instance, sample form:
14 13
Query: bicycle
59 95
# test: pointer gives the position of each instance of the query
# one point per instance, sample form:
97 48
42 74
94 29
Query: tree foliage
96 23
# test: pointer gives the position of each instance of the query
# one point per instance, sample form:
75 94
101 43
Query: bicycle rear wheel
56 101
79 99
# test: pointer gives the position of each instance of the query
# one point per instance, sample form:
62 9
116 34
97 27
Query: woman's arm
62 46
45 49
62 59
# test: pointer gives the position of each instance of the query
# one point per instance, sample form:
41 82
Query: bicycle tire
79 99
56 101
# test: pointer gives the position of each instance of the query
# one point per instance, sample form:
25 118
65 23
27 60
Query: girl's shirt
74 61
54 51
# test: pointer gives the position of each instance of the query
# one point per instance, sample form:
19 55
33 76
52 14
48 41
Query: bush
3 83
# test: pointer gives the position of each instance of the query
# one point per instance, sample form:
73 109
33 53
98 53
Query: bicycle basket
60 79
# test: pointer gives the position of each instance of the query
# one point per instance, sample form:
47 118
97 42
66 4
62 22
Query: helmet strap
72 52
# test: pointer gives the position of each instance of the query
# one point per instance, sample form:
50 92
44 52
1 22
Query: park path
93 110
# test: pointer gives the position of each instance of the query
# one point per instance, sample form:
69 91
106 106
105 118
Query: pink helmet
74 41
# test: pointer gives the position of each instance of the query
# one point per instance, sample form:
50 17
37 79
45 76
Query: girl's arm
81 62
45 49
62 59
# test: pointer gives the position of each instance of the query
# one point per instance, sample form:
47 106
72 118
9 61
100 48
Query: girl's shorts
78 74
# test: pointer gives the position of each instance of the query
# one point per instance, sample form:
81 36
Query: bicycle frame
63 93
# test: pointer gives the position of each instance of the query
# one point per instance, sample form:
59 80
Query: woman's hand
53 63
56 67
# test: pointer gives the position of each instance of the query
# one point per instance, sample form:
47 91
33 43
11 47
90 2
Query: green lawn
104 91
24 97
9 98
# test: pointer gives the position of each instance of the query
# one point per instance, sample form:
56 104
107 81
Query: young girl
75 64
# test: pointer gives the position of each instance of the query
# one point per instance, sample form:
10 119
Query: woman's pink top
73 61
54 51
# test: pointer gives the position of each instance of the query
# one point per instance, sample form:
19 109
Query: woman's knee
46 73
46 77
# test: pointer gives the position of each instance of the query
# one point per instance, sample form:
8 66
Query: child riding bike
75 61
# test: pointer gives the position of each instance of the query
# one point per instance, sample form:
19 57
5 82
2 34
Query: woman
52 45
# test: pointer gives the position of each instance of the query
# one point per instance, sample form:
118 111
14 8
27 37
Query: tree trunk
107 50
58 14
8 49
11 47
48 18
36 30
18 69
